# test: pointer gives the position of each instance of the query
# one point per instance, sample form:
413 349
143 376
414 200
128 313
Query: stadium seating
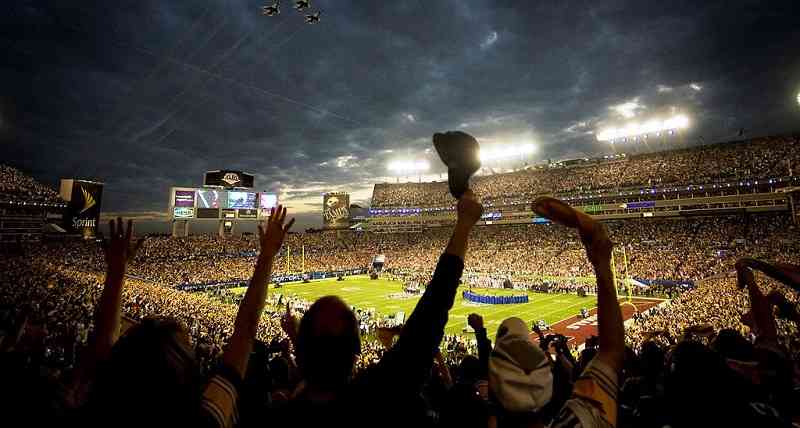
768 157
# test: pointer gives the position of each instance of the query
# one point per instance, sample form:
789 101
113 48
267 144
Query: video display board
267 200
212 199
227 204
183 212
241 200
184 198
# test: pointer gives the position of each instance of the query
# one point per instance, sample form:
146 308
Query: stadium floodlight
798 98
409 166
502 152
654 126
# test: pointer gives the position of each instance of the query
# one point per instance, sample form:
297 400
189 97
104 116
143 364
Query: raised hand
272 235
598 248
475 321
289 324
785 308
593 234
469 208
744 275
119 249
270 238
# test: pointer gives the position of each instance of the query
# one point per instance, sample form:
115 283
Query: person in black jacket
388 393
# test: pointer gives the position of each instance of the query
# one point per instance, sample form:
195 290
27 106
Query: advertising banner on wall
84 200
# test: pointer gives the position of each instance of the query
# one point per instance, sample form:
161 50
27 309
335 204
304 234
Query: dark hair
470 369
327 343
152 369
730 343
699 386
651 359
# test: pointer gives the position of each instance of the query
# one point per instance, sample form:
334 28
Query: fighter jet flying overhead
271 10
313 19
302 4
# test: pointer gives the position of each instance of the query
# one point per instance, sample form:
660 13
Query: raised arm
484 344
594 394
598 246
410 359
760 307
244 331
119 250
783 272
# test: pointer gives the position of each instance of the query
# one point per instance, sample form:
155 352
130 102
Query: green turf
361 292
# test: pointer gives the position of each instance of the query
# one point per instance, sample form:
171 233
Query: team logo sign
231 178
336 211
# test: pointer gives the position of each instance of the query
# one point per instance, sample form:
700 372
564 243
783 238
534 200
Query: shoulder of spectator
594 397
219 403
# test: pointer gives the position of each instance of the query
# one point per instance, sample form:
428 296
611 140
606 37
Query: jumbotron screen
242 200
268 201
212 199
184 198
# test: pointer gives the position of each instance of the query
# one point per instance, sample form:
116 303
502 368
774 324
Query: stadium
590 260
676 243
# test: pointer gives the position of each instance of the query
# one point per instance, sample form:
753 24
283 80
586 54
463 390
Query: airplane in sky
302 4
313 19
271 10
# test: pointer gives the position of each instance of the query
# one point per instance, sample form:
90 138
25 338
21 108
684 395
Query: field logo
88 200
231 178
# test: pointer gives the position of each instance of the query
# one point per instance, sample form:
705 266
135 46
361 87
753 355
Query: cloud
490 40
347 161
627 109
151 96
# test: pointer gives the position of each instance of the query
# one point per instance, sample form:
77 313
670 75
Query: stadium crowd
17 186
654 249
62 359
767 157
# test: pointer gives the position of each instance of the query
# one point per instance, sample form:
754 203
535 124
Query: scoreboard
220 204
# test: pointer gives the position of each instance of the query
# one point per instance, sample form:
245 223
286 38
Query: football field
364 293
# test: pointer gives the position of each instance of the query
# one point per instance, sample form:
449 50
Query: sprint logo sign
83 212
88 200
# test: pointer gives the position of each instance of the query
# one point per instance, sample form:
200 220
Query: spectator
328 345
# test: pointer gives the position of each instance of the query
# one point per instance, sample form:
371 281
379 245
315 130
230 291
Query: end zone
577 330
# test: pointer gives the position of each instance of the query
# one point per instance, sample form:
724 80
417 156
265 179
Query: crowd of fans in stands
654 249
760 158
16 186
50 313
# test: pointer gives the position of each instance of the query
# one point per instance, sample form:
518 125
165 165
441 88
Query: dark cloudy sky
146 94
